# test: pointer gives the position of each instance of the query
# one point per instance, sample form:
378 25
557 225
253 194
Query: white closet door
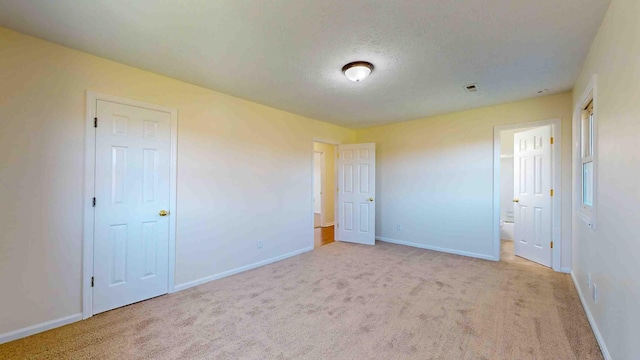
131 243
356 193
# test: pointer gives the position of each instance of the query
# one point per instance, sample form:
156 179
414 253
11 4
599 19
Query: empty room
305 179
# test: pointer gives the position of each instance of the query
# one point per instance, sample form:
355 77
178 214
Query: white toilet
506 230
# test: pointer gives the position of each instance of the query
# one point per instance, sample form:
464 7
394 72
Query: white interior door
356 193
131 242
532 194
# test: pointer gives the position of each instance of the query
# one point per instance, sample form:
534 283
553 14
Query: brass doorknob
516 200
370 199
163 213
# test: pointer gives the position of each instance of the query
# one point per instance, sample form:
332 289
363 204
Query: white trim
323 182
565 270
327 142
335 145
239 270
89 218
323 209
329 224
336 194
89 191
588 216
556 173
38 328
592 321
435 248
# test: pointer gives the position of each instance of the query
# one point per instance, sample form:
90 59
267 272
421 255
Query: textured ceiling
288 53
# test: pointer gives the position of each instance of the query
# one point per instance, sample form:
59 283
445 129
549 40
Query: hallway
323 236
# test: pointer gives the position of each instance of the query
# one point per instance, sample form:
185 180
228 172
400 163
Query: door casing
556 174
335 144
322 189
89 191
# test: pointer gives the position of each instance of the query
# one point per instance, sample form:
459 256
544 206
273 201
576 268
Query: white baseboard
435 248
328 224
565 270
38 328
239 270
592 321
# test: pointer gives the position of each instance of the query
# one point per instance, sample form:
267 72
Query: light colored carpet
344 301
507 253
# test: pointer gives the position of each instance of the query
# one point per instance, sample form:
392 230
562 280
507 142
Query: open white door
356 193
532 194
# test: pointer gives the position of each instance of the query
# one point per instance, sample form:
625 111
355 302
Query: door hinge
92 281
338 225
337 189
551 192
94 202
552 244
551 140
95 122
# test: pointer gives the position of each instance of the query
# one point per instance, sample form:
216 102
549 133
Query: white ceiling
289 53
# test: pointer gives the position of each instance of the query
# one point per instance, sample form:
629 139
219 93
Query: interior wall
611 252
434 176
244 174
506 188
330 179
506 174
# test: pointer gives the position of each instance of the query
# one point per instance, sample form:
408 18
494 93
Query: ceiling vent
471 88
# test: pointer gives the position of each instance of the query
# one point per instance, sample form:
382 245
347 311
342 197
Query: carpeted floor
344 301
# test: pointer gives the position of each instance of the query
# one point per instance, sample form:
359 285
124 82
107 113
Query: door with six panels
132 189
356 193
532 194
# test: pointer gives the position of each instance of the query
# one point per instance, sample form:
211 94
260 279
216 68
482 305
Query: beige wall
244 174
435 175
611 252
330 178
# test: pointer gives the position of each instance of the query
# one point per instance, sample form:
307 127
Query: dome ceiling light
357 70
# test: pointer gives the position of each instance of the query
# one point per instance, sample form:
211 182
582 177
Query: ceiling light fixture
357 70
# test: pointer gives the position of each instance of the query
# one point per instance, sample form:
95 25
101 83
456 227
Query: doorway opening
527 193
318 161
324 156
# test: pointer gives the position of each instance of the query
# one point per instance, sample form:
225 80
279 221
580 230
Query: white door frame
556 204
335 174
322 190
89 192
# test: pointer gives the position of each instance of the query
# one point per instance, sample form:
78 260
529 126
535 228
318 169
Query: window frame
586 212
586 156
